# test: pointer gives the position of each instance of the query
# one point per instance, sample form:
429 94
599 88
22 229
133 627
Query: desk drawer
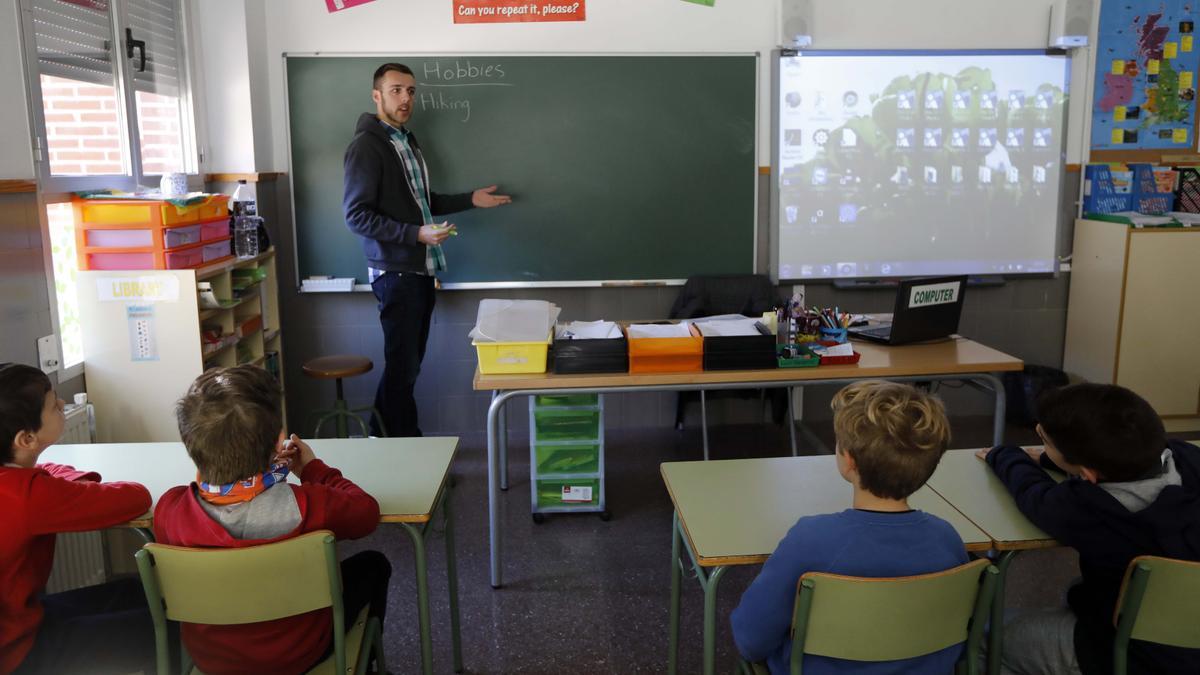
566 425
579 492
563 459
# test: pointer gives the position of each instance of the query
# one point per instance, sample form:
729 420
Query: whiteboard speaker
1070 23
795 23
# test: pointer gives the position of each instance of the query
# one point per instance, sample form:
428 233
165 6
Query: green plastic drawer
550 492
566 425
566 400
568 458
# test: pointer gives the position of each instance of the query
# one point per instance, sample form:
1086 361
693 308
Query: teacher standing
388 203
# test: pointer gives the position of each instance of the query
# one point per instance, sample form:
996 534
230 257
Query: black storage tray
742 352
607 355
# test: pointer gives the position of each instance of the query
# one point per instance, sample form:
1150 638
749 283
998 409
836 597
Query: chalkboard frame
754 205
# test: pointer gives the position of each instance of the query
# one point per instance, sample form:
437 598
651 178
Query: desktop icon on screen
791 211
931 175
959 137
987 100
821 136
847 269
1041 137
1044 100
1013 174
1039 174
849 138
987 137
1015 137
806 270
985 175
847 213
956 174
933 138
962 100
820 175
1016 99
905 137
934 99
906 100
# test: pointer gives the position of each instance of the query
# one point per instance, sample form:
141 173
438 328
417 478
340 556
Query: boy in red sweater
231 423
98 629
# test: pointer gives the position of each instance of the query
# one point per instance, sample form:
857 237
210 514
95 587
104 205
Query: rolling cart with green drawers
566 455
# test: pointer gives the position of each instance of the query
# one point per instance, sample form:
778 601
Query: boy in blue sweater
890 437
1131 492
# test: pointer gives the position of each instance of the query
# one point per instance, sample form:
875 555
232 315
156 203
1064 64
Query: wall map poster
1146 64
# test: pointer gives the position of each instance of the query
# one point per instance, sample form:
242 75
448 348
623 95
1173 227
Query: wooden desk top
970 485
405 475
937 358
735 512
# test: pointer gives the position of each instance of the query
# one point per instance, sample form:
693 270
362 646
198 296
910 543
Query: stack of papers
1188 219
588 330
659 330
740 326
1142 220
514 320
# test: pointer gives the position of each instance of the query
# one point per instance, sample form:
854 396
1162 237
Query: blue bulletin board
1145 88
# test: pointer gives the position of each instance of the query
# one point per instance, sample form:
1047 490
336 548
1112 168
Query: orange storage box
666 354
148 212
151 259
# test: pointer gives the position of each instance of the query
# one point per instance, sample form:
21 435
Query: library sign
512 11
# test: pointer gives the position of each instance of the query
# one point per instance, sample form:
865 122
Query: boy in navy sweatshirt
890 437
1131 492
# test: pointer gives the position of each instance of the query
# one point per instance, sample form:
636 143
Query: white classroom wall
16 146
638 26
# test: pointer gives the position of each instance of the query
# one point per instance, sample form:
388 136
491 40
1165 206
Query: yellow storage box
506 358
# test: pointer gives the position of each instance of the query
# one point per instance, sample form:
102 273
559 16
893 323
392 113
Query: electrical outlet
798 293
48 358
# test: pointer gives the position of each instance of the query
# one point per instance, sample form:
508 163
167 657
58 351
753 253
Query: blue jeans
405 312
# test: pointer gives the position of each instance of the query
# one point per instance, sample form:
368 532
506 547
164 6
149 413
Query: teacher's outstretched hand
485 198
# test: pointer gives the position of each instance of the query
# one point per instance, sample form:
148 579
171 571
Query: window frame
55 189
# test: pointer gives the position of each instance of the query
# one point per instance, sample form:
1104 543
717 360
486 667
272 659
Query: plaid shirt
418 182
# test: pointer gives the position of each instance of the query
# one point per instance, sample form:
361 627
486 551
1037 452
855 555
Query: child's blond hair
230 420
894 432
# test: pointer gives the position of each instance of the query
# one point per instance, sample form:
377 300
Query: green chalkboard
620 167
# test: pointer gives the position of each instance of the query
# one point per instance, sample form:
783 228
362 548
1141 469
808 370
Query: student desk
406 476
735 512
954 359
972 487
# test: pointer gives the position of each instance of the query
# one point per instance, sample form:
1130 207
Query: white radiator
78 556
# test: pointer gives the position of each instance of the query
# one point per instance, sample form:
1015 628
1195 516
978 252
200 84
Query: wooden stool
335 368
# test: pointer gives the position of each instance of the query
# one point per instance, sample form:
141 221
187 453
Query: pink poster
339 5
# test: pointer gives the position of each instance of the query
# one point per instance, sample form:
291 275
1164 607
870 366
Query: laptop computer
926 309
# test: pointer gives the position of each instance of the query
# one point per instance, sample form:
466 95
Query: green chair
1165 589
241 585
889 619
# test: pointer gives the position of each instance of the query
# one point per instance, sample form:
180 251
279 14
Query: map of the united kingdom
1145 76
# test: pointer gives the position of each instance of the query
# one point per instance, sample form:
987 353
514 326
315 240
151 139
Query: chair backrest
245 585
749 294
890 619
226 586
1157 604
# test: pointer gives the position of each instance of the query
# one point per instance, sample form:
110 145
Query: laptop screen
927 308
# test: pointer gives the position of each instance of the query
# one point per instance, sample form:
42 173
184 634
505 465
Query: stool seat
337 366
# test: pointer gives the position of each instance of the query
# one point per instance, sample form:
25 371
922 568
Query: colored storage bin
546 400
666 355
248 326
551 493
610 355
214 229
500 358
217 250
578 458
740 352
151 213
117 259
181 236
566 425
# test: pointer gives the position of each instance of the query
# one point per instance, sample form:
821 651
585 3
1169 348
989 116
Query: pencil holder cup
838 335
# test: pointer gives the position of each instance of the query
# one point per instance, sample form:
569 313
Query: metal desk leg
673 622
996 633
452 582
503 444
791 418
704 422
999 413
418 540
710 619
494 411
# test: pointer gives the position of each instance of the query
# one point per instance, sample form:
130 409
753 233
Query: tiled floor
586 596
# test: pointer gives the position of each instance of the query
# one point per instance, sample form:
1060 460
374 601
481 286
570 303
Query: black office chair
748 294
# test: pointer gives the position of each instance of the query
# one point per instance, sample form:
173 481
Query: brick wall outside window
83 129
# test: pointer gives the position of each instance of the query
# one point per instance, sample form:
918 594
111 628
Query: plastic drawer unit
566 455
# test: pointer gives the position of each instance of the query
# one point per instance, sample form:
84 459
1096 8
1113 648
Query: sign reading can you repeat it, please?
510 11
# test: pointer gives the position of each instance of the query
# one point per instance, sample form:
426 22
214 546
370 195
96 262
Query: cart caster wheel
539 518
606 516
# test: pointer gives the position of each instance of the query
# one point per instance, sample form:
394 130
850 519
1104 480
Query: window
112 109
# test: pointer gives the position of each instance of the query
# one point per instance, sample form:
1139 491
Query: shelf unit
1133 313
566 455
142 339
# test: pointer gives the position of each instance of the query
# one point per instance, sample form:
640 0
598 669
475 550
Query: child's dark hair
1103 427
22 397
230 421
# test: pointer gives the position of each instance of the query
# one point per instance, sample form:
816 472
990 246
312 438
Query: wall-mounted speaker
1071 23
795 23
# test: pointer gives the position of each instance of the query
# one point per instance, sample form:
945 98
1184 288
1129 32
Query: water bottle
244 201
245 236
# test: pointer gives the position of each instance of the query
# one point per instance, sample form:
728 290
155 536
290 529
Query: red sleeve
58 505
67 472
336 503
